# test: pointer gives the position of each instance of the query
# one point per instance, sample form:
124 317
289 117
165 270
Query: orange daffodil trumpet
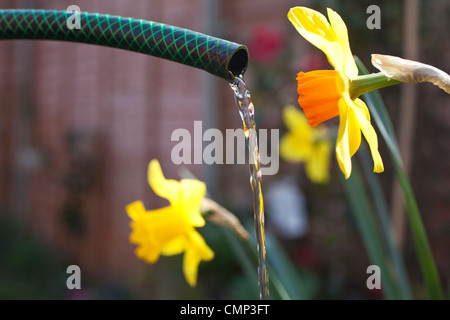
305 144
324 94
171 230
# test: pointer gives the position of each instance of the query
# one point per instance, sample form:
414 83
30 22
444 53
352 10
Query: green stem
426 260
369 82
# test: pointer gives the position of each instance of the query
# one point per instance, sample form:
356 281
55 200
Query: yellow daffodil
324 94
171 230
305 144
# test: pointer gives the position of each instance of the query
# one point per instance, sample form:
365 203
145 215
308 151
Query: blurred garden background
79 124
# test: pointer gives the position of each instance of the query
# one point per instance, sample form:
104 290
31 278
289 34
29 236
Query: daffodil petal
318 167
137 213
135 210
354 132
295 120
342 145
315 28
165 188
369 134
340 29
175 246
149 254
140 234
196 251
166 224
292 149
193 191
155 229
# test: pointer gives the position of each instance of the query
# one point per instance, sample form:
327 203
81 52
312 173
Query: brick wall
99 115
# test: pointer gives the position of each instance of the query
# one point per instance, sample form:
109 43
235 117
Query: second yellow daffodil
171 230
305 144
324 94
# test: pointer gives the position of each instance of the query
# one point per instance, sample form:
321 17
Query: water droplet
259 175
251 109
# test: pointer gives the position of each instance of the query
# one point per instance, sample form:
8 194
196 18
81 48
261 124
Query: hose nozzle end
237 63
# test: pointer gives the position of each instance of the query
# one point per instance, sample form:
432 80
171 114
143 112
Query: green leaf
298 285
400 276
365 221
247 257
427 264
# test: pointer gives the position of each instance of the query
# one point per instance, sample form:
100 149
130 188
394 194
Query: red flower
265 45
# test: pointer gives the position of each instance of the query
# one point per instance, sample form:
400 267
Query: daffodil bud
411 71
221 216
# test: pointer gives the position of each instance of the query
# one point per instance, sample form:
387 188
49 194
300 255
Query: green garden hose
217 56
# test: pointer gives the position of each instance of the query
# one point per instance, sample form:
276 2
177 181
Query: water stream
246 111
